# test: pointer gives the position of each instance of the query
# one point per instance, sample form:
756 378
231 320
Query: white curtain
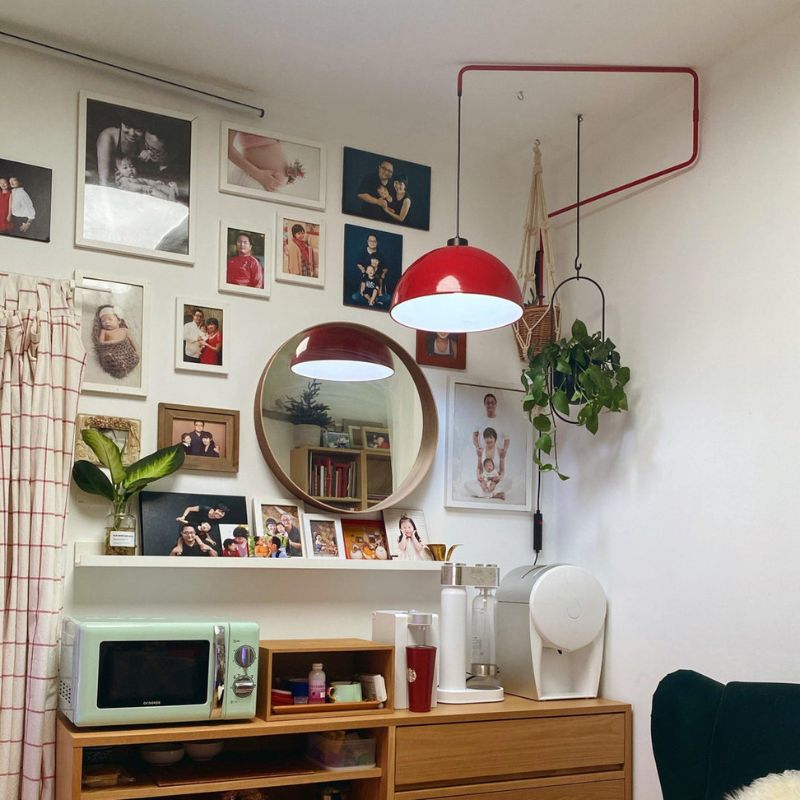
41 366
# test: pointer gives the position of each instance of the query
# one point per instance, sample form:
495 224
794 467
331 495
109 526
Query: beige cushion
783 786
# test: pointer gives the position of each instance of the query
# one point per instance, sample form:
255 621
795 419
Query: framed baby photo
125 433
373 263
376 438
114 325
365 540
136 179
323 536
489 458
442 349
279 525
25 197
300 256
386 189
407 534
210 436
271 166
246 255
200 335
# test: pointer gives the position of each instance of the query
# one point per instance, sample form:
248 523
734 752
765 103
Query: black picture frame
35 185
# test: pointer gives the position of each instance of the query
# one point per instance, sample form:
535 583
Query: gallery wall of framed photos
262 263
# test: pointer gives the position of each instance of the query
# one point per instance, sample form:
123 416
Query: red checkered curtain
41 366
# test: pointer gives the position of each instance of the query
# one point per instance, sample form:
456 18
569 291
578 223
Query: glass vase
120 539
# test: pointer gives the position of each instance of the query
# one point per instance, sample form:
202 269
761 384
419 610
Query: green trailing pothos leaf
91 479
106 451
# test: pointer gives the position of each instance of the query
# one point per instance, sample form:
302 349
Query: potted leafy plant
308 414
584 370
124 483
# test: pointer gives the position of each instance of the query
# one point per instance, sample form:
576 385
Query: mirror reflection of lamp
340 353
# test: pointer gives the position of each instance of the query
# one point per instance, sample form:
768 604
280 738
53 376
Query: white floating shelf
87 555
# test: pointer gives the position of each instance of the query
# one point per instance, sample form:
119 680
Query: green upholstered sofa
710 738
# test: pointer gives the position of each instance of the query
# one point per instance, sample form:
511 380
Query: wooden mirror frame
429 439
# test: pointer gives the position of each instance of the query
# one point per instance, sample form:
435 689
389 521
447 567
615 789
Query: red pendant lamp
340 353
457 288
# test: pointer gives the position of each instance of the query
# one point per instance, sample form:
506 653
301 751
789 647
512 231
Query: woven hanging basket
537 327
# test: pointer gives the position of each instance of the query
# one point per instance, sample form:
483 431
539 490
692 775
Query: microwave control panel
241 667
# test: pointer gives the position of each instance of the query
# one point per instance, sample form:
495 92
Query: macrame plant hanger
539 324
578 266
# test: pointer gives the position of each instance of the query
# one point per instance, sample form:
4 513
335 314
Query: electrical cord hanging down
261 112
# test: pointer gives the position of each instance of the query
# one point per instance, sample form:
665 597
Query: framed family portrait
25 197
279 525
373 263
114 325
407 534
365 540
383 188
193 524
200 335
271 166
489 459
125 433
245 264
135 179
442 349
375 438
210 436
323 536
300 256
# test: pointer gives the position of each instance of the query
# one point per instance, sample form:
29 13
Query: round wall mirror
348 446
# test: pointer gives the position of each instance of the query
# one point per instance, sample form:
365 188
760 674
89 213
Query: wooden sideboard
515 750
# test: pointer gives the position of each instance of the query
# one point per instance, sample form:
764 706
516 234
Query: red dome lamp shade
457 288
339 353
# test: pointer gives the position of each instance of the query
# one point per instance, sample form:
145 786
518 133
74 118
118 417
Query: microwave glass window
171 673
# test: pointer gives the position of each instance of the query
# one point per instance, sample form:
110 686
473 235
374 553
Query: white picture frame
105 362
262 239
283 155
467 412
270 507
210 309
137 219
391 522
329 528
289 264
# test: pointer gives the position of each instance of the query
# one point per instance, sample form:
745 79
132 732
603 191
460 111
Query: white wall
43 131
684 508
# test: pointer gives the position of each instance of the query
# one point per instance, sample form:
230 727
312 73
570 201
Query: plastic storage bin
344 751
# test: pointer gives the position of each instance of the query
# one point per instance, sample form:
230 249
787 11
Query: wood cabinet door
595 790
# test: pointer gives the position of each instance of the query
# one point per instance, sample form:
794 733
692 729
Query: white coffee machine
550 632
403 628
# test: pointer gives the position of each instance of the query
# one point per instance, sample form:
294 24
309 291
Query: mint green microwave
142 671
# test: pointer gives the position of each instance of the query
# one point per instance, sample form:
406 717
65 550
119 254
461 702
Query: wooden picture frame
219 454
453 354
185 313
302 263
118 429
375 439
236 276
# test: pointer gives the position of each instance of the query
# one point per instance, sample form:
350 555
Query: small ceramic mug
344 692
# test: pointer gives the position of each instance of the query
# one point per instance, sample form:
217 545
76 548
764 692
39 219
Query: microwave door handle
218 689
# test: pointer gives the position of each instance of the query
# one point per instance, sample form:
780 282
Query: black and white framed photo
373 263
114 322
135 186
300 254
247 252
200 335
25 197
323 535
192 524
489 461
271 166
383 188
407 534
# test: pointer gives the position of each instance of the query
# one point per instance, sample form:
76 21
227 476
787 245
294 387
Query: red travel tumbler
420 662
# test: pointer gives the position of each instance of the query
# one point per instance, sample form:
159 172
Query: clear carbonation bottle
483 667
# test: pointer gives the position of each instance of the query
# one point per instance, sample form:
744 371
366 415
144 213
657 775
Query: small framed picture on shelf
278 528
323 536
441 349
407 533
245 264
200 335
300 256
365 540
336 439
376 438
125 433
210 436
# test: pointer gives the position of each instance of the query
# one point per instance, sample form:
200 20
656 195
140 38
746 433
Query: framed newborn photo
246 256
210 436
136 179
114 325
200 335
271 166
323 536
125 433
300 256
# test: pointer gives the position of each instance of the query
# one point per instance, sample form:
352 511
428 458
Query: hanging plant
583 370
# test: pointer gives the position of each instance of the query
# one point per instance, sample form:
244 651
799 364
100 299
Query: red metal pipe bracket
606 68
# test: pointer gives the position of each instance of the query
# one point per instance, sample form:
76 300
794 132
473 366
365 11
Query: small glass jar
120 539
